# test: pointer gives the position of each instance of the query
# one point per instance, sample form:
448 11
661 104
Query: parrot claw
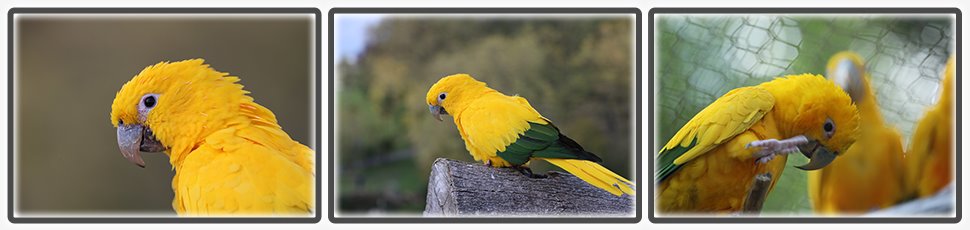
766 159
528 172
773 147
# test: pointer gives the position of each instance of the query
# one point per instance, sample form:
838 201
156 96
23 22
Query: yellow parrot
229 154
869 175
709 165
505 131
929 160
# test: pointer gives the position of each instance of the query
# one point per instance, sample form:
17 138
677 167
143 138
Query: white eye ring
149 101
442 96
828 128
145 104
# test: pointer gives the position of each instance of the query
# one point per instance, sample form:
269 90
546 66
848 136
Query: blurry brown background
69 67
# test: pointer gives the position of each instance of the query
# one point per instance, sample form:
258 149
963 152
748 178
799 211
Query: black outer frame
636 137
10 99
949 11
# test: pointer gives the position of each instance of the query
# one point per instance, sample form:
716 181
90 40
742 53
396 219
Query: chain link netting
701 57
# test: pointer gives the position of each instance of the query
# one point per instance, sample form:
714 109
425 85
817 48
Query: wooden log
458 188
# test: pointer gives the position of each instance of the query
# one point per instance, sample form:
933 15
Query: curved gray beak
132 139
437 111
819 156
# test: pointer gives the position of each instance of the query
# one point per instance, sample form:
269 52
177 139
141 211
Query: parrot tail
596 175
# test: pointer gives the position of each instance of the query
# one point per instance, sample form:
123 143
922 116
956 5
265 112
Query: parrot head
847 70
827 117
449 93
170 105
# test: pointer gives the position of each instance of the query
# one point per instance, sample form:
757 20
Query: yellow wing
494 121
230 174
723 119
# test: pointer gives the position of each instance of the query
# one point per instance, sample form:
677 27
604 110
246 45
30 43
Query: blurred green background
576 71
701 57
69 67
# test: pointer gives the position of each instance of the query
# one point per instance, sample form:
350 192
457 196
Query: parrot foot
766 159
528 172
773 147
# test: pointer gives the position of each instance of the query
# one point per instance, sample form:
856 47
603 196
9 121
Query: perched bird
709 165
929 159
229 154
869 175
505 131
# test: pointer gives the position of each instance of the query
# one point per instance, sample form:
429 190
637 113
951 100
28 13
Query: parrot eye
442 96
149 101
829 128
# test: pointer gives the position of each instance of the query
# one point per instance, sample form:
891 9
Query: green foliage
576 72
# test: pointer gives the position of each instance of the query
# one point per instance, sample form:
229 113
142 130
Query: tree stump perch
458 188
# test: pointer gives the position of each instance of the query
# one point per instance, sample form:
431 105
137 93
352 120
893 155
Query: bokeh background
701 57
69 67
577 71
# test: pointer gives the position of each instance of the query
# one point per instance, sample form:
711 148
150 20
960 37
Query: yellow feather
586 175
591 171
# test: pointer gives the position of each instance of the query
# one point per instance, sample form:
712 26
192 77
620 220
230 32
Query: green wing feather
666 160
544 141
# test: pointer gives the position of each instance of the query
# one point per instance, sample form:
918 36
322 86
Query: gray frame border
951 11
10 99
638 61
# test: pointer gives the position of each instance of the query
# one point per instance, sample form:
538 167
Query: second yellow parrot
869 175
505 131
229 154
930 157
709 165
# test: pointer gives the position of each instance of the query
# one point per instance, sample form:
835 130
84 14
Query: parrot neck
249 115
868 106
233 109
459 103
785 113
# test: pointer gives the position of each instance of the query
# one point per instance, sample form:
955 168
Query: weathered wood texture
458 188
758 193
941 204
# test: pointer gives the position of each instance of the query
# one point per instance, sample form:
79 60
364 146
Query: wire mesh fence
701 57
